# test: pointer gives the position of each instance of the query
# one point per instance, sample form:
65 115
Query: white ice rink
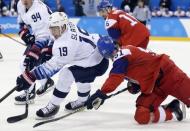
115 115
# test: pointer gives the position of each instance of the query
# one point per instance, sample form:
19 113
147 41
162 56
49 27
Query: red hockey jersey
126 29
135 64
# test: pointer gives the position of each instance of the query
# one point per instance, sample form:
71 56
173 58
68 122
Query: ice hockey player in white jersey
34 31
75 56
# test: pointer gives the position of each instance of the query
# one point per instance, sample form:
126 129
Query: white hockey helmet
58 19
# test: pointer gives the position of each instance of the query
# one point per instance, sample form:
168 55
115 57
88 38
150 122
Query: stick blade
50 120
38 124
59 118
16 118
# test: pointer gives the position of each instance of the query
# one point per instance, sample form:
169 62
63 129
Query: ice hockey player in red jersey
123 27
157 75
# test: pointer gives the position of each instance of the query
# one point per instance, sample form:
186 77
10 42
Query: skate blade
23 102
44 118
82 108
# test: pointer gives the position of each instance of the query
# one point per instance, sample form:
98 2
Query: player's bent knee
142 115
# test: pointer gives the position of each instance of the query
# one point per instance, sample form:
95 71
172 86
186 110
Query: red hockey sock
161 115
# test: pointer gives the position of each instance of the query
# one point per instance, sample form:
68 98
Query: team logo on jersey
109 23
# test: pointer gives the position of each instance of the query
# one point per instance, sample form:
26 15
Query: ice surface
115 115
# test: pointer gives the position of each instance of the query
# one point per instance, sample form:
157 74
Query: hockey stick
6 95
80 109
11 38
17 118
58 118
118 92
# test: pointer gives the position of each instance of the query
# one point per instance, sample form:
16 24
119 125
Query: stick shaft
61 117
118 92
13 39
6 95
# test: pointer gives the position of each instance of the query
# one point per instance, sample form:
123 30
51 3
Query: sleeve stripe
43 71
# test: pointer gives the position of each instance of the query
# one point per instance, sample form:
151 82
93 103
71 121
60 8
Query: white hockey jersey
36 17
74 47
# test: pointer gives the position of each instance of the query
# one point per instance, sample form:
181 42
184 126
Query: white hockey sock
63 86
83 91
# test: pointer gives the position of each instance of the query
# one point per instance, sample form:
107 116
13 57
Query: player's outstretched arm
96 100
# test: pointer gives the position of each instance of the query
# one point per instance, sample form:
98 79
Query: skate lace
23 95
76 103
49 108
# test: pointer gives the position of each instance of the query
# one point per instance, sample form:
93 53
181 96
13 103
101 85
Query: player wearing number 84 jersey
77 58
122 27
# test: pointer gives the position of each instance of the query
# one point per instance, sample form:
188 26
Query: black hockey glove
133 88
26 36
46 54
32 57
24 81
96 100
30 62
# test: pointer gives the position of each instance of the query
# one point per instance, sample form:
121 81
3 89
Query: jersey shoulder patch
121 53
109 23
117 12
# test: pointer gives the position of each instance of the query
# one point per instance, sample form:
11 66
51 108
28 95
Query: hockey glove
96 100
46 54
29 62
133 88
32 57
24 81
26 36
